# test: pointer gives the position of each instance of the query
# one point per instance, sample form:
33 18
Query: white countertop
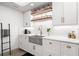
58 38
28 34
62 38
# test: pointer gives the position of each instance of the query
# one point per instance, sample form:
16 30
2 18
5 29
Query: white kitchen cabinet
51 48
65 13
70 13
35 49
39 50
68 49
26 43
27 18
32 48
23 42
57 13
78 12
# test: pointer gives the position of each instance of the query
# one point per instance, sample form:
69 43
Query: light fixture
22 3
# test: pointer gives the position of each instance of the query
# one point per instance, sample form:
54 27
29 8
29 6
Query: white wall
15 19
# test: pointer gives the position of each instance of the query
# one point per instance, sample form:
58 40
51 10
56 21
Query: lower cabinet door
47 53
35 49
68 49
51 48
31 48
25 43
21 42
39 50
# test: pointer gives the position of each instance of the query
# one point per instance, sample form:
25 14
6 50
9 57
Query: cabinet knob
50 42
67 46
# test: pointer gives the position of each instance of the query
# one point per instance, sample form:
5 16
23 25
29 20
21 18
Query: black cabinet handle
50 42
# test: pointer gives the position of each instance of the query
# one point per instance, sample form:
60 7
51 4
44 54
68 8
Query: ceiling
23 6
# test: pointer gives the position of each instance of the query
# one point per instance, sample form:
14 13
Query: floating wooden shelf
43 19
42 10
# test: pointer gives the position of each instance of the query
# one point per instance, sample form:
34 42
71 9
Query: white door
69 49
51 48
58 13
70 13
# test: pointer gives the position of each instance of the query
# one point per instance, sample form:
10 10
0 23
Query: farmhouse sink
36 39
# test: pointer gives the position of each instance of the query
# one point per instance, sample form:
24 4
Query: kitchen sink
36 39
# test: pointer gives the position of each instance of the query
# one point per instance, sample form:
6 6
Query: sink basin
36 39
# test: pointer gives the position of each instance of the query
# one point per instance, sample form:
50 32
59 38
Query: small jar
69 35
73 36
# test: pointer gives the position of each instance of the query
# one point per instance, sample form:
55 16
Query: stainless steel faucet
40 29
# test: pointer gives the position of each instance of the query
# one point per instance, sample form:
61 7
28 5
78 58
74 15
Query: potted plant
48 30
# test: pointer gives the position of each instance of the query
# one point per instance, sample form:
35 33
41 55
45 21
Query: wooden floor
16 52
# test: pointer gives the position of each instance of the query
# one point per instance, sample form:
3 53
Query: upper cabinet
61 13
70 13
27 18
78 12
57 13
65 13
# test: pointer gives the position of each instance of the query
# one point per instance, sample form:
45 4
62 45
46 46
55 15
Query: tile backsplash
58 30
64 30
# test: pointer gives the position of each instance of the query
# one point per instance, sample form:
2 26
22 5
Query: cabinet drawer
47 42
68 49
